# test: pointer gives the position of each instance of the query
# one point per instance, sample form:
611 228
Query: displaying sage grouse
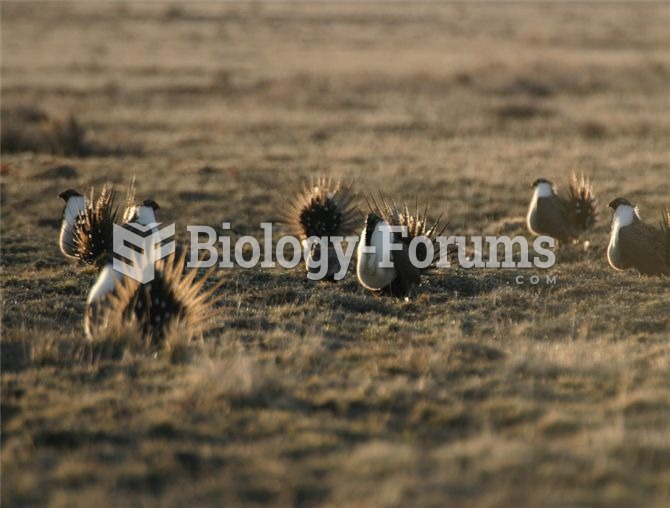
323 208
634 244
109 280
559 217
88 226
404 276
173 300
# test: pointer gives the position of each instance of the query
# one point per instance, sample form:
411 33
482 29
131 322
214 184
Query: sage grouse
88 226
172 300
562 218
323 208
634 244
99 297
152 309
403 277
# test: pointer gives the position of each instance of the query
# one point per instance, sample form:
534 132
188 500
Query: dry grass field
480 392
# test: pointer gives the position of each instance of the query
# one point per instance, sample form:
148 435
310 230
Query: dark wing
408 276
643 247
554 218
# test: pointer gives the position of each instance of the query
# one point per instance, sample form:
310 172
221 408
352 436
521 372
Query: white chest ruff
146 216
73 208
531 217
104 285
543 190
370 274
623 216
75 205
97 303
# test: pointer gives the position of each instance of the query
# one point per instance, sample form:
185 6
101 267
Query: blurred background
454 94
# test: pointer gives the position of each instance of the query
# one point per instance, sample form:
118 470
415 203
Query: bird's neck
543 190
624 216
146 215
75 205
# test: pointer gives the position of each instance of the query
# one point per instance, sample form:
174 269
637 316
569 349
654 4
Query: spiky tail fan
171 299
584 201
417 224
323 208
93 235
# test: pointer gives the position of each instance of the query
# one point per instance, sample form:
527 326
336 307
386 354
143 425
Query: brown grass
480 392
26 129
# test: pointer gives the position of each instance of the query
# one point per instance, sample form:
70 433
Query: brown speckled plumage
93 231
172 298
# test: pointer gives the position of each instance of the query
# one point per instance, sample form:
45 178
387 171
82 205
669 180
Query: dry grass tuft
239 381
27 129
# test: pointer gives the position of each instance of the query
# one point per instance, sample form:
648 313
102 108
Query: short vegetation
479 392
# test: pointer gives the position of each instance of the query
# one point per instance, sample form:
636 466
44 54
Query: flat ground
479 392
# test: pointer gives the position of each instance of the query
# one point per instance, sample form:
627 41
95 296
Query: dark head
70 193
616 203
539 181
150 203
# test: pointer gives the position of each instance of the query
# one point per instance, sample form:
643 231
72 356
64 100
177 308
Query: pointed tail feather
93 231
584 201
129 205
